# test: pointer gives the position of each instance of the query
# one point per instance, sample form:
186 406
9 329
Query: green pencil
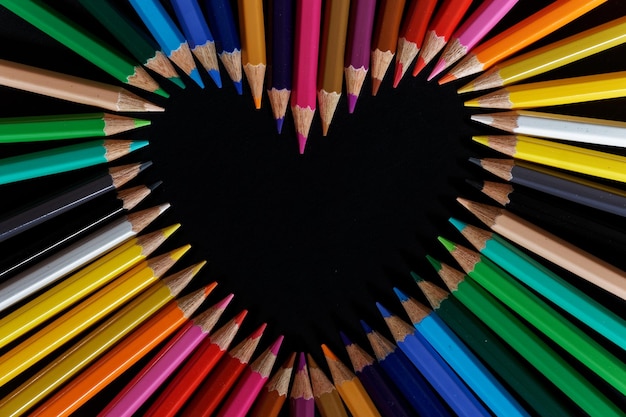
538 313
139 43
83 43
517 335
66 158
534 389
545 282
65 126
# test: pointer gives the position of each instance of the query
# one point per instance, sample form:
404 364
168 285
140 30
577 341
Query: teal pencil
66 158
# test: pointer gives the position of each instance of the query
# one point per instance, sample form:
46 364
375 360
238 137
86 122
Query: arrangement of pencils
96 302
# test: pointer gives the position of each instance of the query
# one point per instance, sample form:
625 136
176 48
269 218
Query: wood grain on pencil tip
385 39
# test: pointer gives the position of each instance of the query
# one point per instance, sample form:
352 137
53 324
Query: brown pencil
326 396
273 396
385 39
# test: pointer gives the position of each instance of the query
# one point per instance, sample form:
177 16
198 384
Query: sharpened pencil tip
352 102
446 243
301 361
457 223
178 81
238 319
238 87
225 301
169 231
375 85
195 75
475 161
439 66
328 353
161 92
215 76
276 345
259 331
178 253
397 74
345 339
383 310
476 184
301 143
145 165
435 263
420 64
401 296
142 122
279 124
138 144
155 185
446 79
366 327
416 277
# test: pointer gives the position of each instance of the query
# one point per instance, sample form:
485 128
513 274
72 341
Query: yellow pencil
559 155
555 92
85 314
555 55
157 299
252 33
80 285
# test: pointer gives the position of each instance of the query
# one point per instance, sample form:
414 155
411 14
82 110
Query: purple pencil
358 47
301 402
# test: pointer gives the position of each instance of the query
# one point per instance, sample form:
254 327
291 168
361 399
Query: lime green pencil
65 126
66 158
83 43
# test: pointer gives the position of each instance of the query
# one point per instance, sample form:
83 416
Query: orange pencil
522 34
195 369
385 39
274 394
214 389
439 31
411 35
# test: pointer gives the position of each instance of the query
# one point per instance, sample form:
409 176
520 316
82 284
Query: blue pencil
460 358
280 57
199 36
433 367
368 371
405 376
168 36
224 27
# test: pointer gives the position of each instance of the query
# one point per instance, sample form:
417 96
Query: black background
307 243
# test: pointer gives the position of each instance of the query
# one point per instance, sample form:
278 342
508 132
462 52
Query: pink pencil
484 18
306 51
302 403
251 382
164 363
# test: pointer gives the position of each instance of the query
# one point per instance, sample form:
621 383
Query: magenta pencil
477 25
306 52
164 363
358 47
301 402
251 383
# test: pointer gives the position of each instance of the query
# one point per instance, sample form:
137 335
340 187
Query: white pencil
75 256
557 126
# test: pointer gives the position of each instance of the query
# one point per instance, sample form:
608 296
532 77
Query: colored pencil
471 32
138 43
167 34
358 48
411 36
125 259
70 231
385 39
351 390
248 387
404 375
550 247
224 27
558 219
75 256
279 58
385 397
214 389
555 92
199 36
445 20
84 314
332 52
306 55
519 337
461 358
541 315
326 397
195 369
534 389
84 43
274 394
545 282
557 183
65 126
554 55
73 89
119 358
558 155
164 362
155 306
505 44
557 126
440 375
65 158
253 55
301 401
48 207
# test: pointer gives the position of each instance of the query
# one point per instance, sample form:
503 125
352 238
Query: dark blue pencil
386 399
199 36
223 24
405 376
433 367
